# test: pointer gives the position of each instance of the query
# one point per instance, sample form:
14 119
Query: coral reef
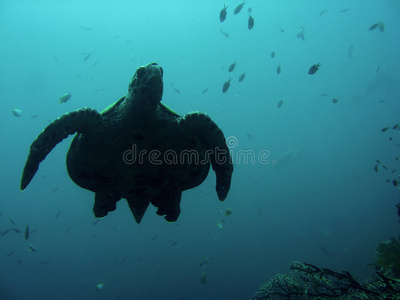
388 257
306 281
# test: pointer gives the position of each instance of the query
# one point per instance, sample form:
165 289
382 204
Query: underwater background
315 197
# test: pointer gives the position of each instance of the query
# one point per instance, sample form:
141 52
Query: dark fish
226 85
175 89
26 232
15 230
314 68
55 189
238 8
232 67
334 100
395 126
384 129
242 77
173 243
280 102
376 168
273 54
251 22
393 171
87 56
322 12
278 70
95 222
205 91
383 166
12 222
10 253
222 14
395 182
58 214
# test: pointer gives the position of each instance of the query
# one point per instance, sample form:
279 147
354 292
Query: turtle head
146 86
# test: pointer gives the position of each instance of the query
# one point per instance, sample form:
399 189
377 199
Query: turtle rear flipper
213 138
78 121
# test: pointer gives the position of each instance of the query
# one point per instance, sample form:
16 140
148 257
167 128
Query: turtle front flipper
79 121
217 150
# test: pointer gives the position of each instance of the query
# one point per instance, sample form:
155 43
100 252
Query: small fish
384 129
383 166
394 171
376 168
238 8
345 10
203 262
85 28
232 67
34 116
64 98
10 253
222 14
221 224
173 243
381 27
31 247
26 232
377 69
55 189
272 54
12 222
205 91
278 70
322 12
395 126
395 182
374 26
58 214
323 95
99 90
226 85
95 64
203 278
87 56
242 77
249 10
55 58
33 230
335 100
228 212
280 102
323 250
5 232
15 230
99 287
301 32
314 68
251 22
95 222
175 89
68 230
224 32
249 135
16 112
350 51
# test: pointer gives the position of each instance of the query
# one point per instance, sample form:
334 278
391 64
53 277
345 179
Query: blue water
317 189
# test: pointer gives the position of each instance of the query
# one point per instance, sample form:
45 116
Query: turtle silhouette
137 149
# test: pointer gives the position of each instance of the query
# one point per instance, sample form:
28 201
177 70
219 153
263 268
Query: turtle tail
218 153
79 121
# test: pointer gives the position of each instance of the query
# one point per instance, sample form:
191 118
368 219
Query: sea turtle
137 149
